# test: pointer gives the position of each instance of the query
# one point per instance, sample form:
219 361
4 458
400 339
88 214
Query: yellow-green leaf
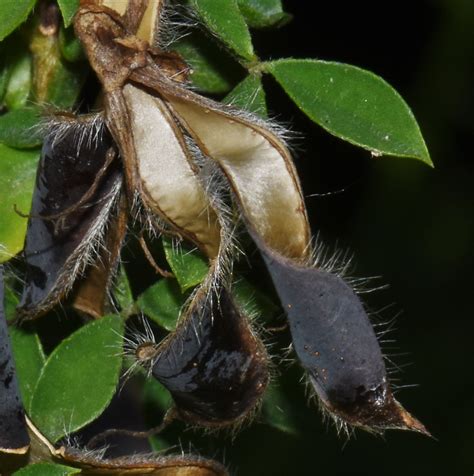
17 179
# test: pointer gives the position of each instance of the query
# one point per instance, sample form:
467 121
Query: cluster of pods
183 165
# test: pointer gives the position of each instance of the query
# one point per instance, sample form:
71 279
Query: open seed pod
13 434
331 331
326 316
77 186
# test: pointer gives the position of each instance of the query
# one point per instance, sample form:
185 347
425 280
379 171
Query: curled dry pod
213 365
93 462
77 183
13 434
91 292
166 176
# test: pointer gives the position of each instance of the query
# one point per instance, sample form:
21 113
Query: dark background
402 220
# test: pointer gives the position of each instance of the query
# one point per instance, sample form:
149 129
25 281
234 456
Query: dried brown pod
94 462
91 292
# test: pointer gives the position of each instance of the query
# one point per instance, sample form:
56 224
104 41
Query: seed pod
330 328
91 292
213 365
337 346
13 433
93 462
77 184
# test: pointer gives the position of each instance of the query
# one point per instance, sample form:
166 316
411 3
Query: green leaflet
249 95
13 14
189 267
29 360
353 104
278 410
79 378
18 128
70 46
17 179
223 18
212 69
263 13
68 9
19 81
123 293
162 302
253 301
46 469
11 302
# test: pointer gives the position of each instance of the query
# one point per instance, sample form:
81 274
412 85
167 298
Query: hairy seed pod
13 433
77 183
213 365
337 346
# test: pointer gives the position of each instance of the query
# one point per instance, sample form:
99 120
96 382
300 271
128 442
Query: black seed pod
13 434
213 365
75 187
337 346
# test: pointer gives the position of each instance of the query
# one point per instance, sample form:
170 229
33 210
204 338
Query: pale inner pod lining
149 27
165 170
120 6
260 169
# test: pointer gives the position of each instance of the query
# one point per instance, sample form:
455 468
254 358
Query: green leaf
13 14
4 70
17 179
46 469
212 69
18 128
68 9
253 301
156 395
263 13
223 18
157 400
79 378
123 292
70 46
249 95
66 84
352 104
19 83
29 360
162 302
11 302
278 410
188 266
